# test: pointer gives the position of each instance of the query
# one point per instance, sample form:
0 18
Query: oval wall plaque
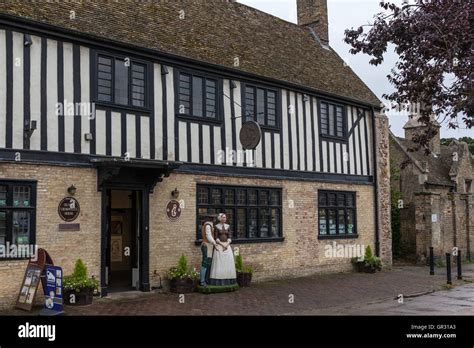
250 135
69 209
173 210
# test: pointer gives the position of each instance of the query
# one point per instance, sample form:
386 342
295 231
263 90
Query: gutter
376 188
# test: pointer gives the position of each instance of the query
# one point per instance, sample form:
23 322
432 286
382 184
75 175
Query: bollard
431 261
459 265
448 268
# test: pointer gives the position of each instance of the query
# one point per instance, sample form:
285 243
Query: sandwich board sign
29 287
53 290
36 272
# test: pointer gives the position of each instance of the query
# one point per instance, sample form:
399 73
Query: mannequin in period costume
223 264
207 249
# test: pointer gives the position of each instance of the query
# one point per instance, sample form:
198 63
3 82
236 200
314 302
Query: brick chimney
314 14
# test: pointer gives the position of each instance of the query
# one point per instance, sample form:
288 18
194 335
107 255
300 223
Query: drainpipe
376 187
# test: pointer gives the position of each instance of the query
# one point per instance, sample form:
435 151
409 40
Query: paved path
457 301
338 294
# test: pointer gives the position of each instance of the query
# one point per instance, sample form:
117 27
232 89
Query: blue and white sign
53 291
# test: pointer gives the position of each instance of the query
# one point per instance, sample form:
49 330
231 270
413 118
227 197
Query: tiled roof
213 31
438 166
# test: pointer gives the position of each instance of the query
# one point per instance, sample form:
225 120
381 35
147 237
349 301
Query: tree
434 70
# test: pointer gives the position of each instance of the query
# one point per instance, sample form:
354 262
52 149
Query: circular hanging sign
173 210
69 209
250 135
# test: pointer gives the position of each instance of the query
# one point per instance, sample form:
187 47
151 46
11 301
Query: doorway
123 239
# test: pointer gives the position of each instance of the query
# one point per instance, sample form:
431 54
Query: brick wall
301 253
64 247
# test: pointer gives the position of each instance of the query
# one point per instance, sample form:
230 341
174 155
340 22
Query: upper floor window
197 96
337 214
17 212
332 120
121 81
260 105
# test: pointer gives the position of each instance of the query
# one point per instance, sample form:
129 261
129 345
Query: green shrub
369 260
240 267
80 270
182 271
78 280
368 253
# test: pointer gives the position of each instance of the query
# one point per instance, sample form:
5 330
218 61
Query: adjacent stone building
437 205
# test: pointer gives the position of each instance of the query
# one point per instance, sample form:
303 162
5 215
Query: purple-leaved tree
433 40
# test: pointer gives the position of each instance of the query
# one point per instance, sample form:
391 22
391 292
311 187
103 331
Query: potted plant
244 273
78 288
368 263
182 278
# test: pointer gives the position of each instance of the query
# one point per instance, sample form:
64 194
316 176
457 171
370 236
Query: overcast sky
345 14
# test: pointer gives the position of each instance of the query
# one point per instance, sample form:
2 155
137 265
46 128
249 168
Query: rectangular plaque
69 227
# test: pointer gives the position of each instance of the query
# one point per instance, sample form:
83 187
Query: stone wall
383 180
64 247
443 221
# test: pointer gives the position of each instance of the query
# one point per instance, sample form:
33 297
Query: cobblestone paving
338 294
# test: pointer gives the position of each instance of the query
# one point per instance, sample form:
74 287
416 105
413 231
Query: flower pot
183 285
369 269
359 266
81 298
244 279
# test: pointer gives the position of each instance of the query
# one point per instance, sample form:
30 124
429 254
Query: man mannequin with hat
207 247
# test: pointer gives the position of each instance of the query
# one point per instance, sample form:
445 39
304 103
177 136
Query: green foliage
78 280
71 283
182 271
240 267
182 264
468 140
214 289
80 270
368 253
369 260
239 263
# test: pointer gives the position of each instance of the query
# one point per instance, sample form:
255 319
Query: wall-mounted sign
250 135
69 209
53 291
173 210
69 227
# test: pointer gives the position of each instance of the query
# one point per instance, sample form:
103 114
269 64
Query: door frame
144 233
